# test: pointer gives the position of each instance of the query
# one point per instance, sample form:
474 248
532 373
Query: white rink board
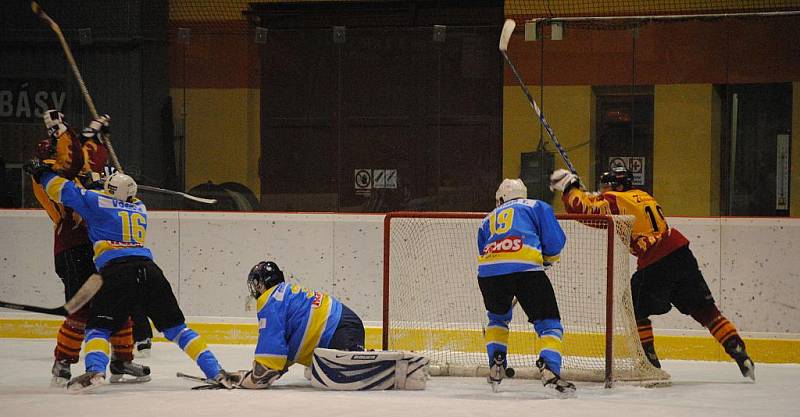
752 265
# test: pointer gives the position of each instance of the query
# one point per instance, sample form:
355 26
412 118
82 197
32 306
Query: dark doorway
624 132
755 173
377 88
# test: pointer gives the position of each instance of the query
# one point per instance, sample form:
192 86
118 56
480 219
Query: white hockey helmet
122 187
510 189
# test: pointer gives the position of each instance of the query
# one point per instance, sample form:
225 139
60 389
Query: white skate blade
552 392
128 379
97 382
58 382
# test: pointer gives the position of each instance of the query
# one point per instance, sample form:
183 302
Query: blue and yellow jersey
292 322
519 235
116 228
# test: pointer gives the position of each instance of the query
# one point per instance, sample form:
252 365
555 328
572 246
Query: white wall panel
751 265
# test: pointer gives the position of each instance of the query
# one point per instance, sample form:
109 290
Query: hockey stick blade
84 294
190 377
184 195
505 35
207 383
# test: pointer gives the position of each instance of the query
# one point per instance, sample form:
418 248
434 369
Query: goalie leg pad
368 371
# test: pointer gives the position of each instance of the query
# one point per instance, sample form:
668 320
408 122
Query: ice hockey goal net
432 303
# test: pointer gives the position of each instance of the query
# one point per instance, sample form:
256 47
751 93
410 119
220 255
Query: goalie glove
260 377
562 180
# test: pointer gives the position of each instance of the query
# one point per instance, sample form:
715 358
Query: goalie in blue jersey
292 322
300 325
517 241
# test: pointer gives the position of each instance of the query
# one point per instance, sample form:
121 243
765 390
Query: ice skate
735 348
497 371
61 374
143 348
555 385
87 382
129 373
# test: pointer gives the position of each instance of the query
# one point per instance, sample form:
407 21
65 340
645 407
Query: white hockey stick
184 195
84 294
505 37
105 138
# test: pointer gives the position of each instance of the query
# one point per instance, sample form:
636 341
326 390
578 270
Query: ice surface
703 389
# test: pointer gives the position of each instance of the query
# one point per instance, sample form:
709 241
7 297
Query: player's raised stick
84 294
505 37
105 138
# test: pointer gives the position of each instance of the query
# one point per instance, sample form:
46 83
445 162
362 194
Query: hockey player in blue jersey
517 241
117 226
292 322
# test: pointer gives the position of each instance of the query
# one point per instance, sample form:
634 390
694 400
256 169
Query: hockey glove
228 380
54 122
98 126
562 180
260 377
36 168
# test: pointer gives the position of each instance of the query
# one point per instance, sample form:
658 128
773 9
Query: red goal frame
609 319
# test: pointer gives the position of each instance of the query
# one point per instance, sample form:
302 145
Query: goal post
432 303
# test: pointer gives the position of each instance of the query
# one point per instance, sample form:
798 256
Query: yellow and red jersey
70 158
651 236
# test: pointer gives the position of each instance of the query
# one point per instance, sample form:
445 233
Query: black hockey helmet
619 175
263 276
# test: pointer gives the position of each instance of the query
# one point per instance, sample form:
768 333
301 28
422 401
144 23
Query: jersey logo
262 323
509 244
317 299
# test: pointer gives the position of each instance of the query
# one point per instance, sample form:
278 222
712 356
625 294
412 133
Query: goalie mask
510 189
120 186
262 277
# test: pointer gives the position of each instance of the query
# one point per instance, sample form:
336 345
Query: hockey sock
70 337
645 327
122 342
97 350
719 326
723 330
550 334
496 335
194 346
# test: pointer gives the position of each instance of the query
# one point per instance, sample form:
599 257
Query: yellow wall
222 135
794 191
568 109
685 161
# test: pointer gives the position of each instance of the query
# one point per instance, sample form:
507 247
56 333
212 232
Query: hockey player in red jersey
77 158
667 272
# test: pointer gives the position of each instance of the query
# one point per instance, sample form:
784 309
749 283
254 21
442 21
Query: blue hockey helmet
263 276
